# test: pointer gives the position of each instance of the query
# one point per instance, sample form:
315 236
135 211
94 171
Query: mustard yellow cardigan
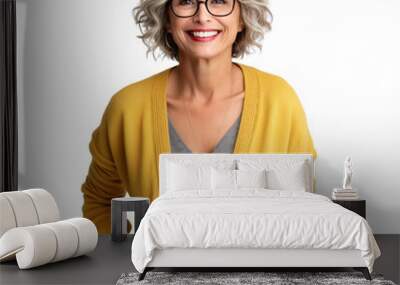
133 131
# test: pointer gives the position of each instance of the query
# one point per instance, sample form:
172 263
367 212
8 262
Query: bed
245 211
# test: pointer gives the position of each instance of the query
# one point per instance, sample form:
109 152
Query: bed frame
245 259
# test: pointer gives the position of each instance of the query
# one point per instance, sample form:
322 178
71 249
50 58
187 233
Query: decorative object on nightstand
348 173
357 206
344 194
347 192
119 207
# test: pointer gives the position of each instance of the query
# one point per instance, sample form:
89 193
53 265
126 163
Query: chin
205 54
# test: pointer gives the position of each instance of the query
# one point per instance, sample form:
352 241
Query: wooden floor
389 262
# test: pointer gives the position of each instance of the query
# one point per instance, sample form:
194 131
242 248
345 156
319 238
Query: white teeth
204 34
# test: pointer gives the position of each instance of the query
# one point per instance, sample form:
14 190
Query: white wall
341 56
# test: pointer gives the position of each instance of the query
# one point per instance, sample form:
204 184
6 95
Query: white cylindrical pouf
46 206
67 239
33 245
87 233
7 218
45 243
23 208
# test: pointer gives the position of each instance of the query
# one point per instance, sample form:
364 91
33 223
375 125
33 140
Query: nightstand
119 208
357 206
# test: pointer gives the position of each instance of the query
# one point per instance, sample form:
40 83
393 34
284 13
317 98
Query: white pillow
236 179
251 178
293 178
197 160
223 179
282 174
185 177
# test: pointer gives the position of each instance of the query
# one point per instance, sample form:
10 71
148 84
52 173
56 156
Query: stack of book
344 194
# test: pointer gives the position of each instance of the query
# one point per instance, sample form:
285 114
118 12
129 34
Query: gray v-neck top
225 145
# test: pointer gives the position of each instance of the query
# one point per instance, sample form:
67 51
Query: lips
203 35
203 30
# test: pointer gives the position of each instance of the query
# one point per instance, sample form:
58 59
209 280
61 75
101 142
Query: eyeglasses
189 8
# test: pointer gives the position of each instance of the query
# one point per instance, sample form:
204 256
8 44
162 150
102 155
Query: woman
207 103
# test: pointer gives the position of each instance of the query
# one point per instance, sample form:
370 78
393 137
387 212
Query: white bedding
250 218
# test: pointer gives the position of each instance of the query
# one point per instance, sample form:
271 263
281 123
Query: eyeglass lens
187 8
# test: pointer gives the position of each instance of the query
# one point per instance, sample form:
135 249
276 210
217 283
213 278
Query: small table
119 207
357 206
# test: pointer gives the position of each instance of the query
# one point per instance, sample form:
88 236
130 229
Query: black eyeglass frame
197 9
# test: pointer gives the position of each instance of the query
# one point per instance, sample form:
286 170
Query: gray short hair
152 17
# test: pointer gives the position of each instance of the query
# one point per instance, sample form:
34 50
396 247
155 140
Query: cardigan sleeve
102 182
300 139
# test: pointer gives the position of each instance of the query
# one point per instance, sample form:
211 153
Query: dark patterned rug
243 278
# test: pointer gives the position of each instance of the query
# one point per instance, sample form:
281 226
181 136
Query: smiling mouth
203 35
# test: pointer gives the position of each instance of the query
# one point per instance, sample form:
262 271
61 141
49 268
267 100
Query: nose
202 14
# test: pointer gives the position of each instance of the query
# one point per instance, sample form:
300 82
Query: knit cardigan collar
249 112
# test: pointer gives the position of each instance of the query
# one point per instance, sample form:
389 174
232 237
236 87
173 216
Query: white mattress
250 218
